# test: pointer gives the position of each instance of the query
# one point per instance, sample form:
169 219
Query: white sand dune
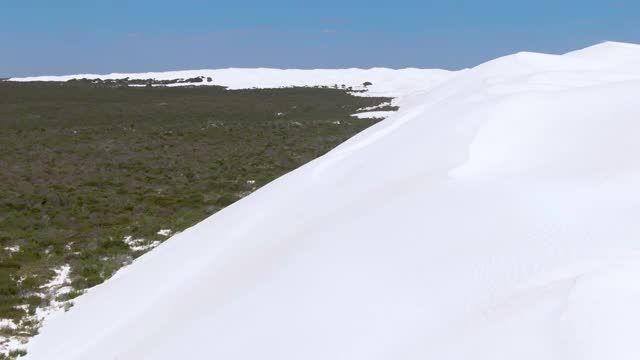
494 217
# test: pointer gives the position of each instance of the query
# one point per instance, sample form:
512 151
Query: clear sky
39 37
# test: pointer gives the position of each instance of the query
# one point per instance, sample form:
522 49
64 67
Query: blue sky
40 37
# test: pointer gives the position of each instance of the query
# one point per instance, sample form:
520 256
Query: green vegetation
13 354
85 164
126 82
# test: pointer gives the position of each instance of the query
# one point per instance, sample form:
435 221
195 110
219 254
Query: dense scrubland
93 174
